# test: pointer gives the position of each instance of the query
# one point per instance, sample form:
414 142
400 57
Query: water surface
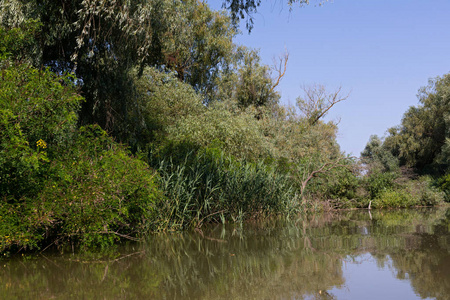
347 255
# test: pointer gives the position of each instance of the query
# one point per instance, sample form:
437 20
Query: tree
378 157
306 177
247 83
101 42
422 139
316 101
255 86
199 52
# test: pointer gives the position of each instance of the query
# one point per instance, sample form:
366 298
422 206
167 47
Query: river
397 254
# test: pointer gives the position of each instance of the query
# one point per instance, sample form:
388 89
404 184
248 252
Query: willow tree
422 141
101 41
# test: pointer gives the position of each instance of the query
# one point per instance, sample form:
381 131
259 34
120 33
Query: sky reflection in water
347 255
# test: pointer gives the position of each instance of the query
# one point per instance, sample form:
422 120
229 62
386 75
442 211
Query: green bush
101 192
393 199
340 186
237 132
418 192
378 182
37 113
59 183
424 193
161 101
19 164
444 185
95 193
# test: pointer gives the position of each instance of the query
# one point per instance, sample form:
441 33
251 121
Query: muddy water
347 255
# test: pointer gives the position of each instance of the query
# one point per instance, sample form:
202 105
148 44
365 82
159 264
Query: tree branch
327 167
316 102
280 69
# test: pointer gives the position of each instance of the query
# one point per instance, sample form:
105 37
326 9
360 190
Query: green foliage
196 43
424 192
211 186
38 112
418 192
378 182
44 104
393 199
421 144
161 101
94 194
237 132
444 184
99 192
17 226
422 139
58 183
248 82
102 42
378 158
161 75
19 164
293 138
19 43
341 187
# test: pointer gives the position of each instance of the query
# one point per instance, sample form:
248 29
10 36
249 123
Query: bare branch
280 68
316 102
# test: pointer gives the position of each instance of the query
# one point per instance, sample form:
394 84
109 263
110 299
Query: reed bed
208 186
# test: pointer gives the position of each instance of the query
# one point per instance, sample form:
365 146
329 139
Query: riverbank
106 137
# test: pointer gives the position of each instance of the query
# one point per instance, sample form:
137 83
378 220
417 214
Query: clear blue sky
381 51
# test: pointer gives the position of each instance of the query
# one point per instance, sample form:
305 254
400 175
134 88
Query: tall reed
209 186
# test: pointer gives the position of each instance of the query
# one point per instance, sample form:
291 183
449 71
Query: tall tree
102 40
247 81
377 157
422 141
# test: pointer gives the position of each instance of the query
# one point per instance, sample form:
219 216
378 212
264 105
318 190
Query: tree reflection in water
297 260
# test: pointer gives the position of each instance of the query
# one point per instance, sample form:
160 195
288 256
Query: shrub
161 101
238 133
444 185
424 193
58 183
37 112
378 182
95 193
393 199
414 193
100 193
37 115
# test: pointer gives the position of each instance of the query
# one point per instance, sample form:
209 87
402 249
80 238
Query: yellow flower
41 143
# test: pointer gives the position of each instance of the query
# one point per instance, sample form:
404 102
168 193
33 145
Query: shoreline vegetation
144 125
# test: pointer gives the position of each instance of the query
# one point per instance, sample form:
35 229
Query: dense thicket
119 118
420 145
